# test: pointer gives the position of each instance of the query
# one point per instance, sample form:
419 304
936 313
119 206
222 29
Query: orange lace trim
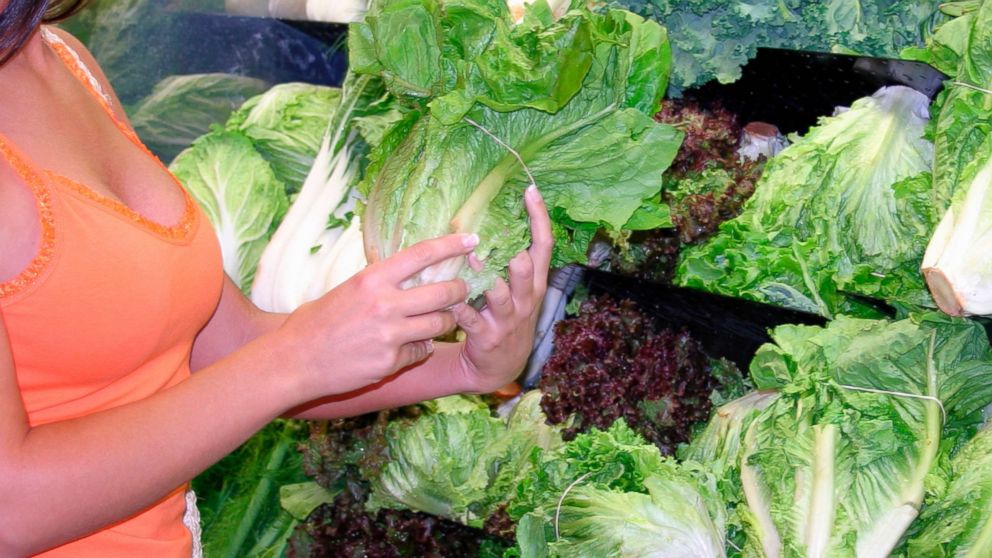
47 219
178 231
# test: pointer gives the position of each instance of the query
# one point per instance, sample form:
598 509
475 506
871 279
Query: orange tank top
105 315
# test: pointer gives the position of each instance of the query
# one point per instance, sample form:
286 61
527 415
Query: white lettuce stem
889 528
757 499
820 519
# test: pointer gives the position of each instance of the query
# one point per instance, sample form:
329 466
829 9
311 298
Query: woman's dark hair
21 17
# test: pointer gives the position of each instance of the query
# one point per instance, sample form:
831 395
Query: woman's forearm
437 376
67 479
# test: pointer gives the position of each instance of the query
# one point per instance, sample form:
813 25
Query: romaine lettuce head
959 523
957 271
957 264
287 124
566 104
843 213
867 412
240 194
611 493
460 462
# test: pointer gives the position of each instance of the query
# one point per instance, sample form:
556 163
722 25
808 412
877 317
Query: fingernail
532 192
430 346
470 240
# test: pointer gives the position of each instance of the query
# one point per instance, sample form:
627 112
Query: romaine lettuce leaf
959 523
843 213
571 99
867 411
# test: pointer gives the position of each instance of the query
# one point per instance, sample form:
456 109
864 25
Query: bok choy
318 244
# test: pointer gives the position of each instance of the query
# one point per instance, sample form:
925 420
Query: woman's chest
65 130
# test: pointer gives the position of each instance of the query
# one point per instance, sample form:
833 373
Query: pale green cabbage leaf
240 194
571 99
841 215
287 124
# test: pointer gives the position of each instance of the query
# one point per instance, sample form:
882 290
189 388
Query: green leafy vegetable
461 464
955 265
184 107
564 103
240 194
959 524
319 243
843 213
838 462
287 124
961 48
611 493
712 39
238 498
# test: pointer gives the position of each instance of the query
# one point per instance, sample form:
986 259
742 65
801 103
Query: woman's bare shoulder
92 65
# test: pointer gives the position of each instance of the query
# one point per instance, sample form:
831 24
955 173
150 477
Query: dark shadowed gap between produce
792 89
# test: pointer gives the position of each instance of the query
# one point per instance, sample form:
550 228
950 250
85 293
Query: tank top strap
24 168
76 65
71 59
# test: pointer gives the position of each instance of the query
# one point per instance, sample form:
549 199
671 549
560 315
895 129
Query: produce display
842 214
864 437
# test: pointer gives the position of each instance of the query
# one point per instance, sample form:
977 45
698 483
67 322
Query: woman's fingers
499 301
427 326
432 297
468 319
410 261
542 240
521 272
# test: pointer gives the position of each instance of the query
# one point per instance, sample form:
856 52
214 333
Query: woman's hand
499 339
369 327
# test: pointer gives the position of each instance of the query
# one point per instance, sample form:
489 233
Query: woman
112 293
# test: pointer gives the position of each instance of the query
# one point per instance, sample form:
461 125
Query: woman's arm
63 480
235 322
